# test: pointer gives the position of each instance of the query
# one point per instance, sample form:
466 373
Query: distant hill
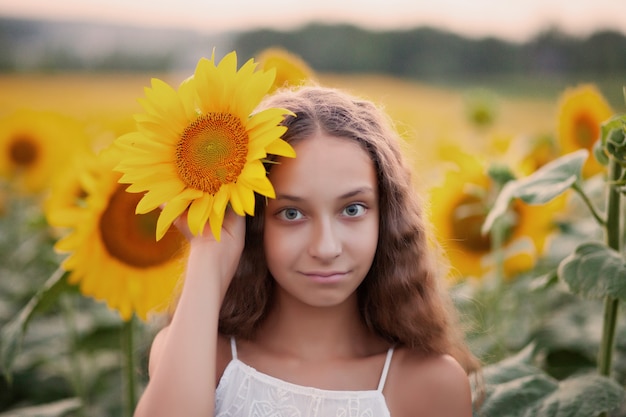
422 53
40 45
429 53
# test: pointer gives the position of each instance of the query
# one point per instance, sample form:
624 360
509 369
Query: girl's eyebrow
349 194
357 191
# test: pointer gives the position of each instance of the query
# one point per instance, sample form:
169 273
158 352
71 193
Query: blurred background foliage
475 114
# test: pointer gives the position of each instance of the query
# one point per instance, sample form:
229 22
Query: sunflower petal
188 96
218 212
246 196
235 201
282 148
207 88
249 88
166 98
198 213
155 197
268 117
261 185
260 148
170 212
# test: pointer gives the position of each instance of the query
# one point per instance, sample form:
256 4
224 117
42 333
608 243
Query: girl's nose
325 242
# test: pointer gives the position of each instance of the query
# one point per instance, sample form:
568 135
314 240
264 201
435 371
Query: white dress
245 392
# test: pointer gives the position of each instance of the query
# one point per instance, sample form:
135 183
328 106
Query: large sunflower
67 195
291 70
34 145
581 111
113 254
460 204
201 147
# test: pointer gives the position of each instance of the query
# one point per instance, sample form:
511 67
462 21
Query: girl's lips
325 276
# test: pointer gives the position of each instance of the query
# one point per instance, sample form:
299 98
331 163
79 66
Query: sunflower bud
616 144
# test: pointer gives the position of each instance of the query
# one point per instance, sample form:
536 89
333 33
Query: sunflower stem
497 244
497 238
592 208
613 236
76 368
128 349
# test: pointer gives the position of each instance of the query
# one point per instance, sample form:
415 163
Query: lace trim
274 397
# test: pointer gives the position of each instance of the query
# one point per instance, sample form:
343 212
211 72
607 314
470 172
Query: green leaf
616 145
12 333
600 154
581 396
545 184
54 409
518 397
614 123
539 395
594 270
613 138
513 367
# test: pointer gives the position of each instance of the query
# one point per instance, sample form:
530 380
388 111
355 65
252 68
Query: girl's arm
428 386
183 356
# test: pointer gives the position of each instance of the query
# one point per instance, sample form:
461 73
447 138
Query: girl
327 301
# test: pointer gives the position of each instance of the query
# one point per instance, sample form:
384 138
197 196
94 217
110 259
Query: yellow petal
217 215
170 212
282 148
187 93
67 243
157 196
260 146
235 200
150 177
246 196
209 86
199 213
166 98
175 207
253 176
249 88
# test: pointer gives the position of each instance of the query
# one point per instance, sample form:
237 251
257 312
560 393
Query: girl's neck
308 332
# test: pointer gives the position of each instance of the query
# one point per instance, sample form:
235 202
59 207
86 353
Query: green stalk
497 243
76 368
594 212
496 325
613 236
128 349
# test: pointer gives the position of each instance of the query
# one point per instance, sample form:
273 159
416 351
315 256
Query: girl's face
321 230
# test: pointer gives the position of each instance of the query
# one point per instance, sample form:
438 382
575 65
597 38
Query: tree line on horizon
423 53
429 53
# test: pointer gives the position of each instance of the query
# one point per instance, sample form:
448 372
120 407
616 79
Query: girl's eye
290 214
354 210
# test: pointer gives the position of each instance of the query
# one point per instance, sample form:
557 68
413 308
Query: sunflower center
212 152
23 151
586 130
467 220
129 237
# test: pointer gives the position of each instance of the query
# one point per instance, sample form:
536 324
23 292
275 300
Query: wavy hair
401 298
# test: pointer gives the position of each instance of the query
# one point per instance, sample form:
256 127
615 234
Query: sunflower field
524 196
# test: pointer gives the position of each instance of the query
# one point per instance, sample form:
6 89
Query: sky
515 20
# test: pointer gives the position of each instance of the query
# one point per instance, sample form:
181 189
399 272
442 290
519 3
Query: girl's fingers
234 225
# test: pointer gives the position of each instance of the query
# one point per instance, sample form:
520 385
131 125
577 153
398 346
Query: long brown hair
401 298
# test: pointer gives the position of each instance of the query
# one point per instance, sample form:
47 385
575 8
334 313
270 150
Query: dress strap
233 347
383 376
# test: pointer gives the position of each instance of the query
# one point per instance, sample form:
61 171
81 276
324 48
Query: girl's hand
229 227
223 255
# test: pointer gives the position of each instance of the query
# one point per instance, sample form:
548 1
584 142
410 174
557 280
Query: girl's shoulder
420 385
